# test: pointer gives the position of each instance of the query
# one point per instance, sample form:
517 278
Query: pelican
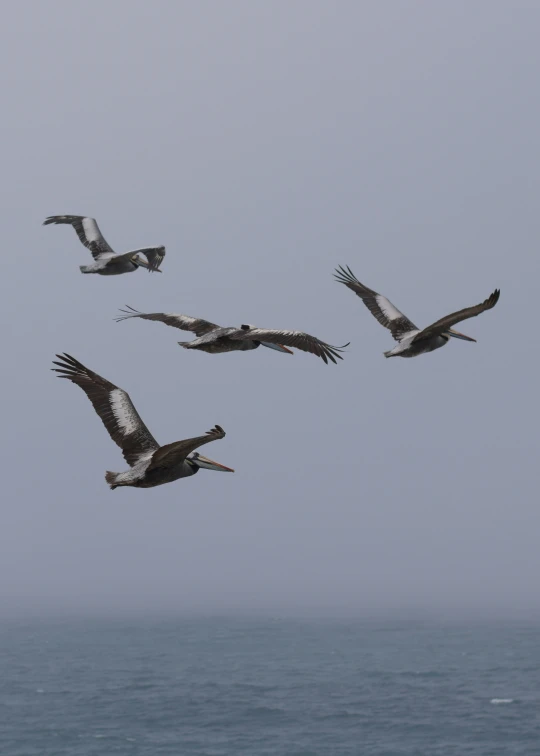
151 464
214 339
412 341
107 262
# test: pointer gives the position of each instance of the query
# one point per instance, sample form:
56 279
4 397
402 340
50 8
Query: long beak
143 264
277 347
209 464
458 335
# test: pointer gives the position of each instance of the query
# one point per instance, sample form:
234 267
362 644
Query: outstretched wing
184 322
88 232
297 339
380 307
442 325
154 255
173 454
114 407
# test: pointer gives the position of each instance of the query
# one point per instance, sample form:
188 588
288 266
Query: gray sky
263 144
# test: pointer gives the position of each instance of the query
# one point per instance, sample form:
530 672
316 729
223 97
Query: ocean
223 686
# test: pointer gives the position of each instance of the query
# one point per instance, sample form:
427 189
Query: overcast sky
264 144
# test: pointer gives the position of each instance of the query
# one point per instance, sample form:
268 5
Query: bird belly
221 345
118 269
410 348
246 346
158 476
95 268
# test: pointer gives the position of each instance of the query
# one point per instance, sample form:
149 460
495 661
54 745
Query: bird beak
277 347
209 464
458 335
143 264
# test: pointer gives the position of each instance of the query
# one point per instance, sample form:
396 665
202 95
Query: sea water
223 686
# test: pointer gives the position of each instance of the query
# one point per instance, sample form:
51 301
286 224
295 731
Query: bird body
408 347
107 262
412 341
214 339
219 341
143 475
150 464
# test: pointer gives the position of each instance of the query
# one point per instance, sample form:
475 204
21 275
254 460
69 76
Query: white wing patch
183 319
123 412
90 229
387 308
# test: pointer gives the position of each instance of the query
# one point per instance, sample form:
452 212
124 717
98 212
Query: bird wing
186 323
442 325
88 232
154 255
297 339
172 454
114 407
380 307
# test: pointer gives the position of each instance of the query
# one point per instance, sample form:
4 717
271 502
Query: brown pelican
107 262
214 339
412 341
151 464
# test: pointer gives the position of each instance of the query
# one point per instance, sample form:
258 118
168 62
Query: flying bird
214 339
412 341
151 464
107 262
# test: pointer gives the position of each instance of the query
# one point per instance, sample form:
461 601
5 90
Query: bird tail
111 478
85 269
388 354
185 344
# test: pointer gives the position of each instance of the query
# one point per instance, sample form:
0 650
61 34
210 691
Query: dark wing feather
173 454
114 407
297 339
184 322
442 325
380 307
88 232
